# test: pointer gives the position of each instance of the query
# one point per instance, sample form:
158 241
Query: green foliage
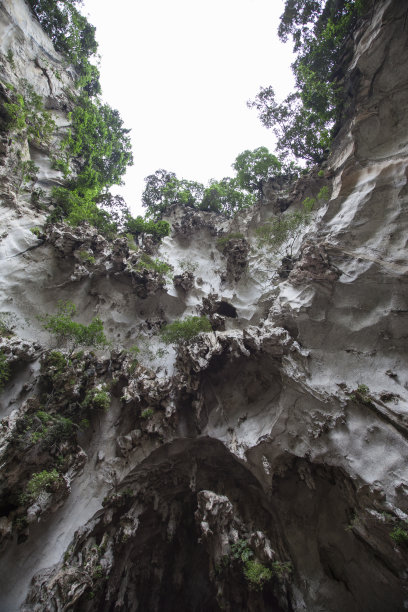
301 132
257 574
72 35
86 257
184 330
76 334
29 170
363 389
97 146
155 265
101 149
10 58
147 413
308 204
40 482
225 197
282 569
399 535
98 399
255 167
134 353
307 119
4 370
6 325
324 194
52 430
139 225
25 111
241 551
62 164
36 231
223 241
164 188
98 138
58 360
286 228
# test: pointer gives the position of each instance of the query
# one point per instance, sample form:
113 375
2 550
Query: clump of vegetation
257 574
307 120
6 325
4 370
362 394
226 196
399 535
50 429
97 398
241 551
286 228
36 231
155 265
282 569
139 226
86 257
10 58
184 330
75 334
28 172
25 112
147 413
41 482
72 36
363 389
224 240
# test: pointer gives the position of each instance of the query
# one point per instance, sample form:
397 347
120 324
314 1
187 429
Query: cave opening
226 310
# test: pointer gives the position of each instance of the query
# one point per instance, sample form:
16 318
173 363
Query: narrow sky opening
180 74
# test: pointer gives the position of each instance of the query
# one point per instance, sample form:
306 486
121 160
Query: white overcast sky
180 73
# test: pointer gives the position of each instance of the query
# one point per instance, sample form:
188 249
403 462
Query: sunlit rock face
261 466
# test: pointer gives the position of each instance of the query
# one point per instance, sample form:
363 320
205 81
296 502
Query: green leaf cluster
97 398
254 167
25 112
285 227
96 150
100 148
72 35
153 264
184 330
226 196
257 574
40 482
140 225
4 370
223 241
399 535
307 120
50 429
68 331
6 325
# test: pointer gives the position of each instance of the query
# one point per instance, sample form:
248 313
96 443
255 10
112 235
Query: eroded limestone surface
275 444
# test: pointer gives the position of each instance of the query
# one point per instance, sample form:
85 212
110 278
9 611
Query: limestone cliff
261 466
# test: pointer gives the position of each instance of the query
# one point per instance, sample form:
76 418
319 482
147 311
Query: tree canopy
306 121
226 196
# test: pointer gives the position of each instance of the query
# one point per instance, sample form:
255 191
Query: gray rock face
261 466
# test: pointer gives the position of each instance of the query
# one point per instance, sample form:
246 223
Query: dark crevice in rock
226 310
